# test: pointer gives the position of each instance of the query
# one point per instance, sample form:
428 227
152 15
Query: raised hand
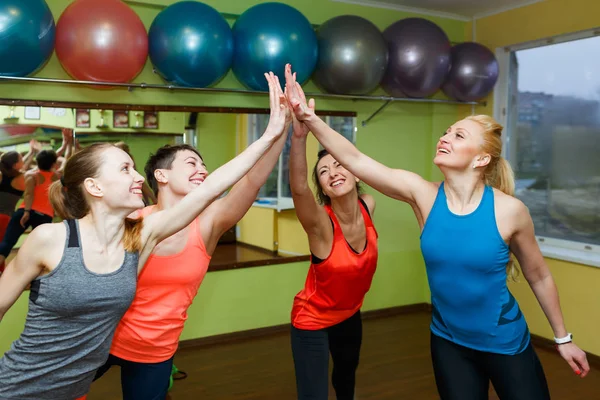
575 357
280 111
302 110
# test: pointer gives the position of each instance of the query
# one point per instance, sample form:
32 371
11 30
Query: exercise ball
419 58
269 35
352 56
101 40
27 33
473 74
190 44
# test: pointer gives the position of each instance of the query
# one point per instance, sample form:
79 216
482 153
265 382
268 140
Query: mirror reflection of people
33 185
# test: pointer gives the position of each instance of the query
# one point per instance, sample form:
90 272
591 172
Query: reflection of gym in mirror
31 134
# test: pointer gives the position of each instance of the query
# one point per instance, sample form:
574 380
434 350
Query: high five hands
289 106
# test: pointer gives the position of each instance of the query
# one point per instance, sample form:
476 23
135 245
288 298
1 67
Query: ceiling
458 9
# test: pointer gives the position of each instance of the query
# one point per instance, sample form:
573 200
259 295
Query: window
276 191
551 100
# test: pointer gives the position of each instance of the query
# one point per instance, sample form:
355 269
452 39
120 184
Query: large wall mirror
219 134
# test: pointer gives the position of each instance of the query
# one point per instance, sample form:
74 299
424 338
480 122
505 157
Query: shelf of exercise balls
131 86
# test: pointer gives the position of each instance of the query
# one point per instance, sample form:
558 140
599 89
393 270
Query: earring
474 166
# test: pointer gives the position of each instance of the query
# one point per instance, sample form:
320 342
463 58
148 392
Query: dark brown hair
322 198
8 161
67 195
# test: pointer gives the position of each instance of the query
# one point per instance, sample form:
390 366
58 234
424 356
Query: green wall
402 136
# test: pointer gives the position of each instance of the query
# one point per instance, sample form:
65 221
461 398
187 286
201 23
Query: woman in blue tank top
470 224
83 272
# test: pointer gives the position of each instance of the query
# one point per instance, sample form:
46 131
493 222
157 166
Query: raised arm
396 183
312 217
34 148
226 212
163 224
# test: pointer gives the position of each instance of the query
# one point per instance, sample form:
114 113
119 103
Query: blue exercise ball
27 32
190 44
268 36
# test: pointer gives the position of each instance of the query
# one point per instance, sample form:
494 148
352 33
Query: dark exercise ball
27 33
352 56
268 36
190 44
419 58
473 74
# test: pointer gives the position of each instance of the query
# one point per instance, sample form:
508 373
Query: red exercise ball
101 40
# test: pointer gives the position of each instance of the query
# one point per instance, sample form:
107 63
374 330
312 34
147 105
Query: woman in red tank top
343 243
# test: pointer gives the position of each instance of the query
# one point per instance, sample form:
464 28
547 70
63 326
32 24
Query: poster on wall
82 118
121 119
151 120
32 112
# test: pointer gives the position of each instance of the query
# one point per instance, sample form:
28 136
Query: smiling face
186 173
460 148
332 179
117 182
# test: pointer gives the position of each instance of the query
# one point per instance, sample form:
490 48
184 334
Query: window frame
559 249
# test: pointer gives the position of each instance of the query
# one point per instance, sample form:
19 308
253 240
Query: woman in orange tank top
36 208
148 335
343 243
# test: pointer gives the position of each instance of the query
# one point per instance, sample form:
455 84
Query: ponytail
501 177
57 195
498 173
132 237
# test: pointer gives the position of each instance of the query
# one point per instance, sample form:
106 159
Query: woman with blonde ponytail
83 271
470 223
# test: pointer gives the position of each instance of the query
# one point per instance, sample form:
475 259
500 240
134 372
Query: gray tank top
72 317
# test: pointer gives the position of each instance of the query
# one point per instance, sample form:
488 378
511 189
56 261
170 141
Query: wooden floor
395 365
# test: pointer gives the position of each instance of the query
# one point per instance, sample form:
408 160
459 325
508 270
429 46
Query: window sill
281 204
589 258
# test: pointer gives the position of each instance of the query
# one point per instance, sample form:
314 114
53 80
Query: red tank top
149 331
41 200
336 287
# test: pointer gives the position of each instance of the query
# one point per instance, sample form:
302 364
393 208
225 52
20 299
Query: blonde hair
68 198
498 172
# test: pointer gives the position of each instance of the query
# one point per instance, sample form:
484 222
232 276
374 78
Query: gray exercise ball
352 56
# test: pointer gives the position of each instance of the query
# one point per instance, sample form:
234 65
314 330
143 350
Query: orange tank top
336 287
149 331
41 200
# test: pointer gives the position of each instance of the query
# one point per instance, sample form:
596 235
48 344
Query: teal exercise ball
266 38
190 44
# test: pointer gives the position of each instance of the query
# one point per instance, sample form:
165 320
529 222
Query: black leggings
141 381
14 230
464 374
311 359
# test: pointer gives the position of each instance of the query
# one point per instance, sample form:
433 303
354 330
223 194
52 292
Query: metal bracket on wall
380 109
390 100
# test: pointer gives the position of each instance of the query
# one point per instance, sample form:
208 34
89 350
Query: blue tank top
466 262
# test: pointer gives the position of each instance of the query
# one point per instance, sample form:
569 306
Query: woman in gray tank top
83 271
